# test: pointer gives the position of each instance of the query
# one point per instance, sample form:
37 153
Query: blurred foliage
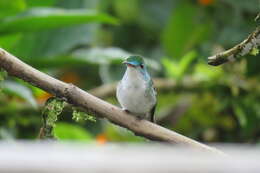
82 116
52 109
66 131
177 69
84 42
37 19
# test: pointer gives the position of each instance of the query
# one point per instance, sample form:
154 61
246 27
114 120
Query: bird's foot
125 110
139 117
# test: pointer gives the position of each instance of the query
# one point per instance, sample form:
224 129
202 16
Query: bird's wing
152 84
152 119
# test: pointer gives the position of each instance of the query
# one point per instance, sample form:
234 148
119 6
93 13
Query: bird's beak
128 64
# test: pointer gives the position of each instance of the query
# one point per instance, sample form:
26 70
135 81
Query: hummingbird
135 92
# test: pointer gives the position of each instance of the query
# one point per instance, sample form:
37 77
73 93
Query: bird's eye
142 66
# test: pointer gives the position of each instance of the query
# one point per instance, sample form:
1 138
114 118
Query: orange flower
101 139
41 98
205 2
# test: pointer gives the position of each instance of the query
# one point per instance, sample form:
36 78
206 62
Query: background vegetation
83 42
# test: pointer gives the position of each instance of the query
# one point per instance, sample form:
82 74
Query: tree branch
242 49
94 105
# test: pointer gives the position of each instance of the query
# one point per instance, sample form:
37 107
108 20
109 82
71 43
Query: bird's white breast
133 95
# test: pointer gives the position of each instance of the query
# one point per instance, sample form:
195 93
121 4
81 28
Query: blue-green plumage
135 92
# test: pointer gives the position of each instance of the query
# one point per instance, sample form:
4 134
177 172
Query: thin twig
242 49
94 105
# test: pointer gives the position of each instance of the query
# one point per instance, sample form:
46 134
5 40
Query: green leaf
171 67
65 131
254 51
184 30
38 44
20 91
10 7
53 107
176 69
40 3
10 40
37 19
241 115
50 43
185 62
82 116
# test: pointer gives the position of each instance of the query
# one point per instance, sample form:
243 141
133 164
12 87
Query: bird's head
134 62
136 66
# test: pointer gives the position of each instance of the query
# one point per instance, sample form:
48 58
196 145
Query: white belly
135 98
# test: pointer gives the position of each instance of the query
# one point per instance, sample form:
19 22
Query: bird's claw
125 110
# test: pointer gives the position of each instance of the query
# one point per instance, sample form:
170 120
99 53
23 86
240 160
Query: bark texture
242 49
